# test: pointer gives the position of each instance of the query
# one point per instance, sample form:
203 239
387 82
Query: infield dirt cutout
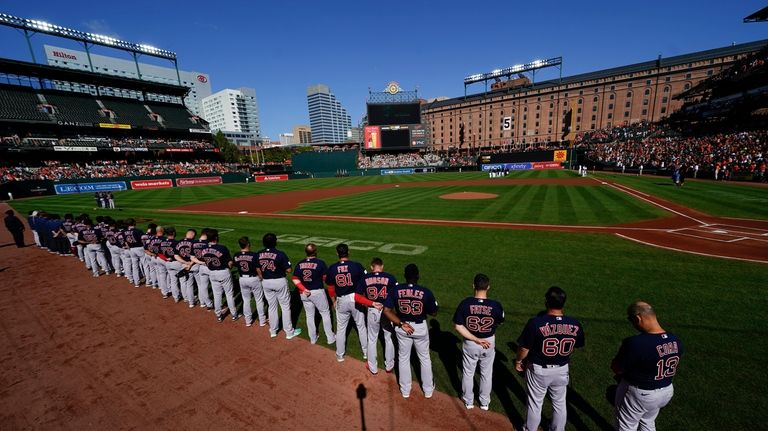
466 196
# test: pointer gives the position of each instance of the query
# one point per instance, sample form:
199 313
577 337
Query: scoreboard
394 126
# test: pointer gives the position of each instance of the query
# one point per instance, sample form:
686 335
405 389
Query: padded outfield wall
322 164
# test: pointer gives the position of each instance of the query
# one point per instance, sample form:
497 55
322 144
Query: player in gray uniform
135 248
646 364
407 307
275 265
161 274
110 235
200 272
544 351
91 238
309 278
250 279
146 261
218 260
476 319
181 260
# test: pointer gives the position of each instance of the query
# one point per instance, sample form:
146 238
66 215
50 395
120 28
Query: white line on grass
689 251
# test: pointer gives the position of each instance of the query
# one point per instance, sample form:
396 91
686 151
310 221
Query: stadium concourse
132 362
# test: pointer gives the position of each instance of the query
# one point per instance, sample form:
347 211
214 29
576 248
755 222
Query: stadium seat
20 103
129 111
174 116
75 107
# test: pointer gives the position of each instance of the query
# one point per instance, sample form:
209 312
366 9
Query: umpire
15 227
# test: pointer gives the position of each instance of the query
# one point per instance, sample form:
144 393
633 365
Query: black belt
551 365
248 276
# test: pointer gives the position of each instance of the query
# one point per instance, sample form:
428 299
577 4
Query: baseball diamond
548 251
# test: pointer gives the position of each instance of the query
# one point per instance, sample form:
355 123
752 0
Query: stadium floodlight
518 68
39 26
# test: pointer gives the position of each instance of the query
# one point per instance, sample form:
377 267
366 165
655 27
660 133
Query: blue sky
281 47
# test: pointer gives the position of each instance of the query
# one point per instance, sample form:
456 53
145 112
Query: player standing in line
544 350
78 227
309 278
341 278
407 306
125 253
181 260
476 319
371 291
111 200
160 273
218 260
110 234
200 272
69 231
247 263
91 238
167 249
31 222
146 261
275 265
133 245
646 363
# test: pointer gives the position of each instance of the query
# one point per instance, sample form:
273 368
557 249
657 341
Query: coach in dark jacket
15 227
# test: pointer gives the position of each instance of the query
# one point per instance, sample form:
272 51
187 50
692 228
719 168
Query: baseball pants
187 285
317 301
472 355
95 257
276 292
81 255
539 380
114 254
202 279
250 286
377 322
420 340
345 309
161 275
173 268
136 255
125 261
36 237
636 409
150 278
221 282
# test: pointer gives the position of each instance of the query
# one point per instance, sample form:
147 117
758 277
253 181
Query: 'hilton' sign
64 55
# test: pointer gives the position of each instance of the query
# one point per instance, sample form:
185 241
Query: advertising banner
114 126
262 178
521 166
396 171
68 189
560 155
179 150
199 181
372 137
68 148
161 183
418 136
547 165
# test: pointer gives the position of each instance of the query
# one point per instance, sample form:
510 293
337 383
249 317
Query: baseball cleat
469 406
339 358
136 286
262 323
484 408
390 370
365 357
220 318
329 342
248 324
235 317
166 295
371 371
296 332
209 307
428 396
406 396
271 335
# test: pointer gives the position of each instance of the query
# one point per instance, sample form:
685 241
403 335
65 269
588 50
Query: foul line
689 251
632 193
450 223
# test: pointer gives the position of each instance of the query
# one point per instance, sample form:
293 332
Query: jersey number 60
555 346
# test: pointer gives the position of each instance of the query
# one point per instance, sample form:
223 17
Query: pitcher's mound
469 195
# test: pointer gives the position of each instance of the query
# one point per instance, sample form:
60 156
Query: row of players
378 306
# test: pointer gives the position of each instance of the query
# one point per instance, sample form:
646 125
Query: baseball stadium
662 198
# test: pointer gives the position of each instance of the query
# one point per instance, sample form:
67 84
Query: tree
229 151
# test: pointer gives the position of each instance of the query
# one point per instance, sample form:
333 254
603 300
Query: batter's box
747 231
709 235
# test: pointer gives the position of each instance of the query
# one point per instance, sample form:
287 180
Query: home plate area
724 233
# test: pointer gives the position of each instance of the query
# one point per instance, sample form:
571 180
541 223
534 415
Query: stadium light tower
30 27
532 67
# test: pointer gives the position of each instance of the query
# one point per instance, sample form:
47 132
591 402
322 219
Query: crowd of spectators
724 154
400 160
52 170
33 141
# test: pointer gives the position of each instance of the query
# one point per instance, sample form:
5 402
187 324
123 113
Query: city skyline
374 44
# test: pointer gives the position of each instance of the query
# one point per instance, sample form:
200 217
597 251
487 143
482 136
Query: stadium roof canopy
759 16
738 49
43 72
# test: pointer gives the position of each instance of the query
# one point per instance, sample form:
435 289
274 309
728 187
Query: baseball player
341 278
371 291
91 238
148 268
167 248
153 250
78 227
407 306
110 234
247 264
218 260
181 260
274 267
200 272
31 222
125 252
476 319
646 363
544 350
133 245
309 278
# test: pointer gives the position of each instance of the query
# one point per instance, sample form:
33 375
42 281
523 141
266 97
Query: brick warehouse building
600 99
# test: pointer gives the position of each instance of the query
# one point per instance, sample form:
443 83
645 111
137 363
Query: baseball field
606 240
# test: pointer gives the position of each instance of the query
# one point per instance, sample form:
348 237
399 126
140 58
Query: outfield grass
712 304
727 199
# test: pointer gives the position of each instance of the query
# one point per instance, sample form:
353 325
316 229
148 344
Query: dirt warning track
687 230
